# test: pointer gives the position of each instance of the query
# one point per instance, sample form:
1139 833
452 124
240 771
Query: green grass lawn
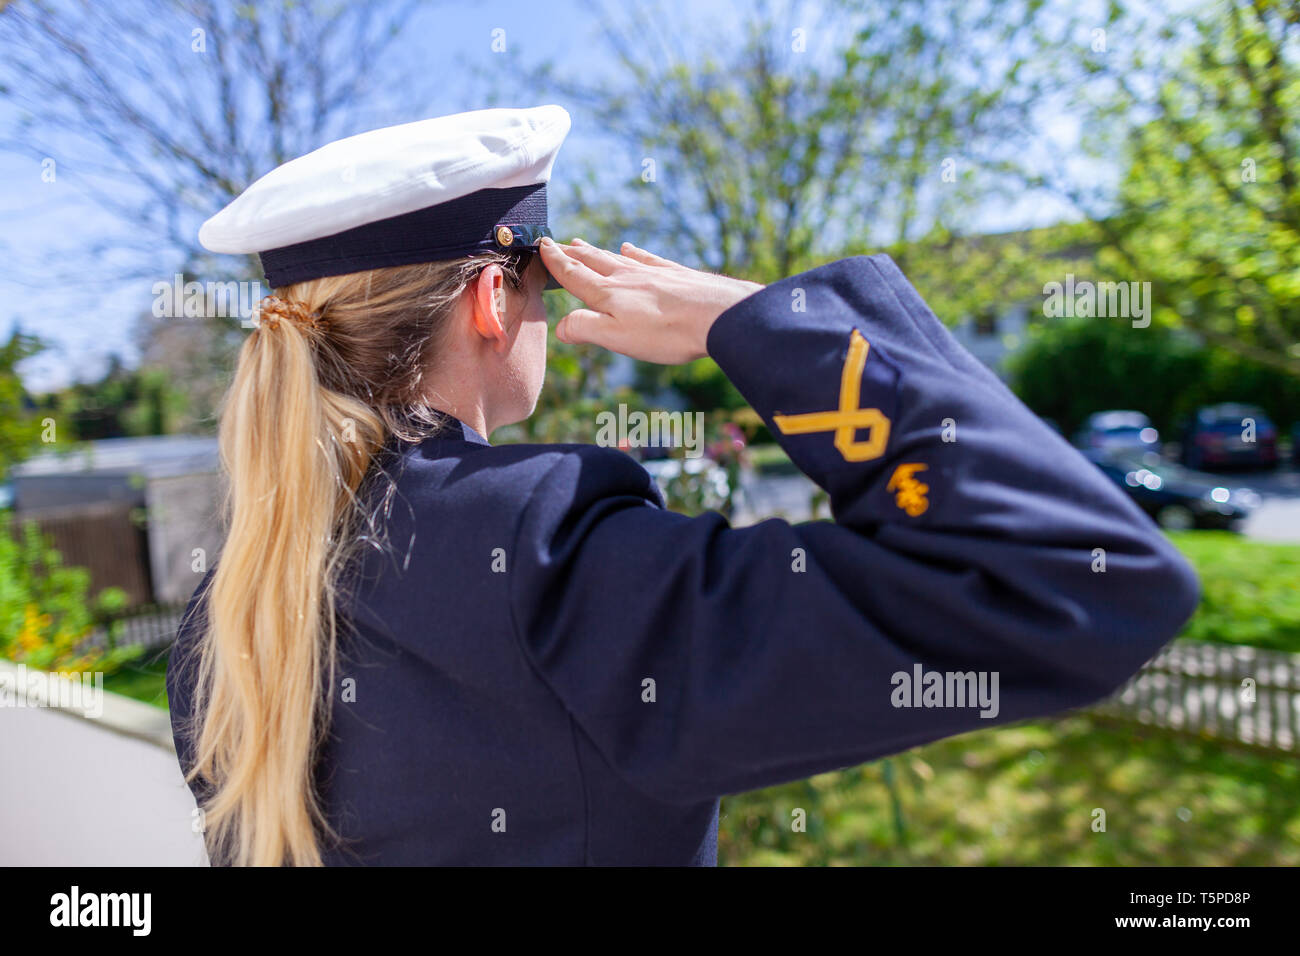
1250 590
1025 795
144 679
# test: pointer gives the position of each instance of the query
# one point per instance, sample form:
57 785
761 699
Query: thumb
583 327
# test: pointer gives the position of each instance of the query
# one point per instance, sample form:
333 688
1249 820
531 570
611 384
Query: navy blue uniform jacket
551 668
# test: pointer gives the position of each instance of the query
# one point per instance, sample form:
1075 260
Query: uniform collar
453 429
467 433
450 429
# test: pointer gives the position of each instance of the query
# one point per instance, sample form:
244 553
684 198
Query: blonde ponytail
336 366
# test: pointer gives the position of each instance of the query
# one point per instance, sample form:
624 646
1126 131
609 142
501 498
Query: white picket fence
1247 695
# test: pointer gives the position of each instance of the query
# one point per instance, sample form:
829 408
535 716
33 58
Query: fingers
605 262
569 272
595 258
646 258
585 327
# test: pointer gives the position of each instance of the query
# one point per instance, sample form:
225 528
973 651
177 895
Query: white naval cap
436 189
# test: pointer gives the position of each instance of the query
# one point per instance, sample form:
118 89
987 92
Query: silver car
1117 431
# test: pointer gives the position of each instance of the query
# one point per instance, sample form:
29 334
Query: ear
489 303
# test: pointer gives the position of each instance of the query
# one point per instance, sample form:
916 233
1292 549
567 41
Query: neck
470 413
457 384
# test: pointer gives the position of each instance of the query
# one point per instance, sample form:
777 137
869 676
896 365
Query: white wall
184 514
79 791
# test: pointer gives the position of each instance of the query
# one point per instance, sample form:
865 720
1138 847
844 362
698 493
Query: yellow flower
30 638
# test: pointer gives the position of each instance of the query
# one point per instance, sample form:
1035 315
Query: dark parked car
1105 432
1174 496
1218 436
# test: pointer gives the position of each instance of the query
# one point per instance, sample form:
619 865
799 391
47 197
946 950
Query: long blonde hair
334 368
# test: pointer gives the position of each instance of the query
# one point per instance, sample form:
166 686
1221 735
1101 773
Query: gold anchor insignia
848 418
909 493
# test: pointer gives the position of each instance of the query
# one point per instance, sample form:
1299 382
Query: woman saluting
417 647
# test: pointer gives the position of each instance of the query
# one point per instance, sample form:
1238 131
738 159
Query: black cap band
448 230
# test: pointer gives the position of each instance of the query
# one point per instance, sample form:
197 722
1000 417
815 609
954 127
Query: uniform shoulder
482 491
520 465
446 502
581 473
545 487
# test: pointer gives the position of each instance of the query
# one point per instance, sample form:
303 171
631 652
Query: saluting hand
638 303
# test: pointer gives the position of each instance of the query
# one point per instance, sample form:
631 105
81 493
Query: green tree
19 426
163 112
1073 368
974 275
1205 111
124 402
812 131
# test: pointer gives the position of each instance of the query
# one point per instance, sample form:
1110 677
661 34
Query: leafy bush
45 615
1072 368
1250 590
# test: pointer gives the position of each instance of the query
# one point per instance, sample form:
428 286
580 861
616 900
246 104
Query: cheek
537 353
528 356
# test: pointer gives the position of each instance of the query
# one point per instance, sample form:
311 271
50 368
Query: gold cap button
505 236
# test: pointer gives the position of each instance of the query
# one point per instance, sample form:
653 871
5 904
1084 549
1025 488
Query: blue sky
42 224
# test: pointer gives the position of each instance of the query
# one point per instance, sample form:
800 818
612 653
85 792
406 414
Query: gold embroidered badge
848 418
909 494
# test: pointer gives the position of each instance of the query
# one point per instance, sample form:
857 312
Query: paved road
1278 518
1281 482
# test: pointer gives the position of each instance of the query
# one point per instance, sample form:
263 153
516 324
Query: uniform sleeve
969 541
